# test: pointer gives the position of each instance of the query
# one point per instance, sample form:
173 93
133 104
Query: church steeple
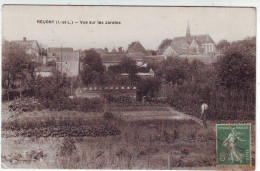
188 30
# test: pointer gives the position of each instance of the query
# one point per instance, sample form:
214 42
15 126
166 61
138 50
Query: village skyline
149 29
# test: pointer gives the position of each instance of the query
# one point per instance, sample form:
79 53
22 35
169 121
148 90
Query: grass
142 144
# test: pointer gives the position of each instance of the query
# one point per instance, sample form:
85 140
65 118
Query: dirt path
181 116
171 114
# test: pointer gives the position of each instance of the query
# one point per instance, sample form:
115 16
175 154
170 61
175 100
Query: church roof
200 39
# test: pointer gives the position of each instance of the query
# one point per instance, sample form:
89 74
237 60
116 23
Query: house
136 49
111 59
68 62
154 60
31 47
55 52
191 45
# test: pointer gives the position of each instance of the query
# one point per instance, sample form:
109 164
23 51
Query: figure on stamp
230 143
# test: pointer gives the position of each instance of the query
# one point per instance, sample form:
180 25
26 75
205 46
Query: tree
129 66
163 45
237 70
147 87
53 91
174 70
93 69
17 66
223 44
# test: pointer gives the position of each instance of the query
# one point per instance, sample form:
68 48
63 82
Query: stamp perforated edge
249 140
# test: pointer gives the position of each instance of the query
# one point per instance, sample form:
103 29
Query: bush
60 128
89 105
108 115
67 147
24 104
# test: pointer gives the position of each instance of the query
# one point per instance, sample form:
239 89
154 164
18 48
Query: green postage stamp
233 144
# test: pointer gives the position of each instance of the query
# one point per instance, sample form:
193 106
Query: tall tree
223 44
165 43
93 69
237 69
16 66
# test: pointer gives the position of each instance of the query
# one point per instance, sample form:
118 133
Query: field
160 139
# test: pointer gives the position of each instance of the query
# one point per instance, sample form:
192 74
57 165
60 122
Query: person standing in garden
204 111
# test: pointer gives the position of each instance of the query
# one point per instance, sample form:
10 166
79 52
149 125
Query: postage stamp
233 144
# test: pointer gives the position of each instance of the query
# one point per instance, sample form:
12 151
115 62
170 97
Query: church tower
188 30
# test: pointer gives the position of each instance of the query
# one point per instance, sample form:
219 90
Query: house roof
26 43
180 47
136 47
114 51
58 50
112 58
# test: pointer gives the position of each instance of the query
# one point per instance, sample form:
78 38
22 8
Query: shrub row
60 128
92 131
24 104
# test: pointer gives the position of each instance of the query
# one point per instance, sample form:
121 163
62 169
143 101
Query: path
171 114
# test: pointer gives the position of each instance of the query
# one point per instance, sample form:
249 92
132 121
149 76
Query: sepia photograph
128 87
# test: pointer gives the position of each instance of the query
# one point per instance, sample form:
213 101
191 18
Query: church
191 46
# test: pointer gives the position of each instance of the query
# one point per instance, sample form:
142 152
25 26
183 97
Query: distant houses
67 60
31 47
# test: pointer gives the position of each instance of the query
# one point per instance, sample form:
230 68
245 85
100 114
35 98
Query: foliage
228 88
24 104
120 99
164 44
92 68
108 115
129 66
67 147
174 70
17 66
147 87
52 91
88 105
54 127
236 70
223 44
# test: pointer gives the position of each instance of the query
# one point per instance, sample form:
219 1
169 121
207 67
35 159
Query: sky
148 25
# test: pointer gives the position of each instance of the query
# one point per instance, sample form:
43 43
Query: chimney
120 50
24 38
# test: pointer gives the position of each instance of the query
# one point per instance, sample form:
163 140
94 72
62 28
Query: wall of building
71 68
